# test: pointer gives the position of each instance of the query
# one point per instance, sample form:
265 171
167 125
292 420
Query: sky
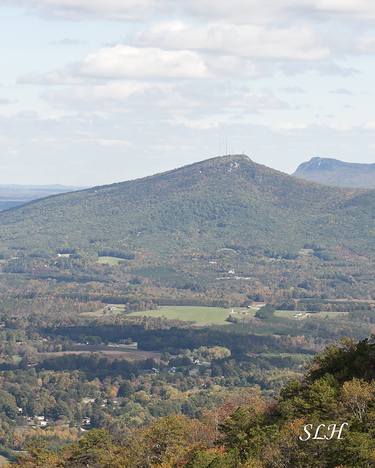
100 91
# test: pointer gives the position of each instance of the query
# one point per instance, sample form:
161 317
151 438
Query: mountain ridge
338 173
203 205
227 224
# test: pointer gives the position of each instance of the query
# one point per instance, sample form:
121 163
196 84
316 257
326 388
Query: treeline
95 366
325 305
131 302
175 339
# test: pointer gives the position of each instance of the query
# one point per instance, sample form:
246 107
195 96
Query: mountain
15 195
337 173
218 203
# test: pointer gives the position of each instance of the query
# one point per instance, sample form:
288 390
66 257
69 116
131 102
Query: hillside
16 195
337 173
296 430
197 208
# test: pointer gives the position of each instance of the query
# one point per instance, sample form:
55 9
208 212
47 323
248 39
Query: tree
166 442
96 449
266 312
356 395
246 432
39 455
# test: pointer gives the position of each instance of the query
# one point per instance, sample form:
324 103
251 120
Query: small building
87 401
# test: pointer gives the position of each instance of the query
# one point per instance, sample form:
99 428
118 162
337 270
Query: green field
110 309
291 314
202 315
198 315
110 260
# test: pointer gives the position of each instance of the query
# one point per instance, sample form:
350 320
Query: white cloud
342 91
251 102
360 8
232 66
236 112
204 123
248 41
53 78
165 99
123 61
366 44
68 41
78 9
4 101
4 140
98 149
293 90
179 85
267 11
249 11
289 126
113 95
110 143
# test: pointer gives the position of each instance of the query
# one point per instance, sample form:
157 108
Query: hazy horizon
97 92
88 185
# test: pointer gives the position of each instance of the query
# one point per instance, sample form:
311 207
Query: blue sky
95 91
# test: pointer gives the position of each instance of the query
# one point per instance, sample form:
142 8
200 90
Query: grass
110 352
196 314
110 309
291 313
113 261
201 315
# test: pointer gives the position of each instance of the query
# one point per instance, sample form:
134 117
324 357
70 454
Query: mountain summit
337 173
201 207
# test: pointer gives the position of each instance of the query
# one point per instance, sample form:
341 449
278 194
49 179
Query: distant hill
15 195
218 203
337 173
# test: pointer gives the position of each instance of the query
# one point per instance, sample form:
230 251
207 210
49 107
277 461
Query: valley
174 293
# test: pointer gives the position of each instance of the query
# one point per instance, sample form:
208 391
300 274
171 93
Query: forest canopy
248 431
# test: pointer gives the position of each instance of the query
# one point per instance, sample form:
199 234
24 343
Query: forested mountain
337 173
201 207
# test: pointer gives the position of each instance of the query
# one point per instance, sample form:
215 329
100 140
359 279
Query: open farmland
112 261
110 352
295 314
196 314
